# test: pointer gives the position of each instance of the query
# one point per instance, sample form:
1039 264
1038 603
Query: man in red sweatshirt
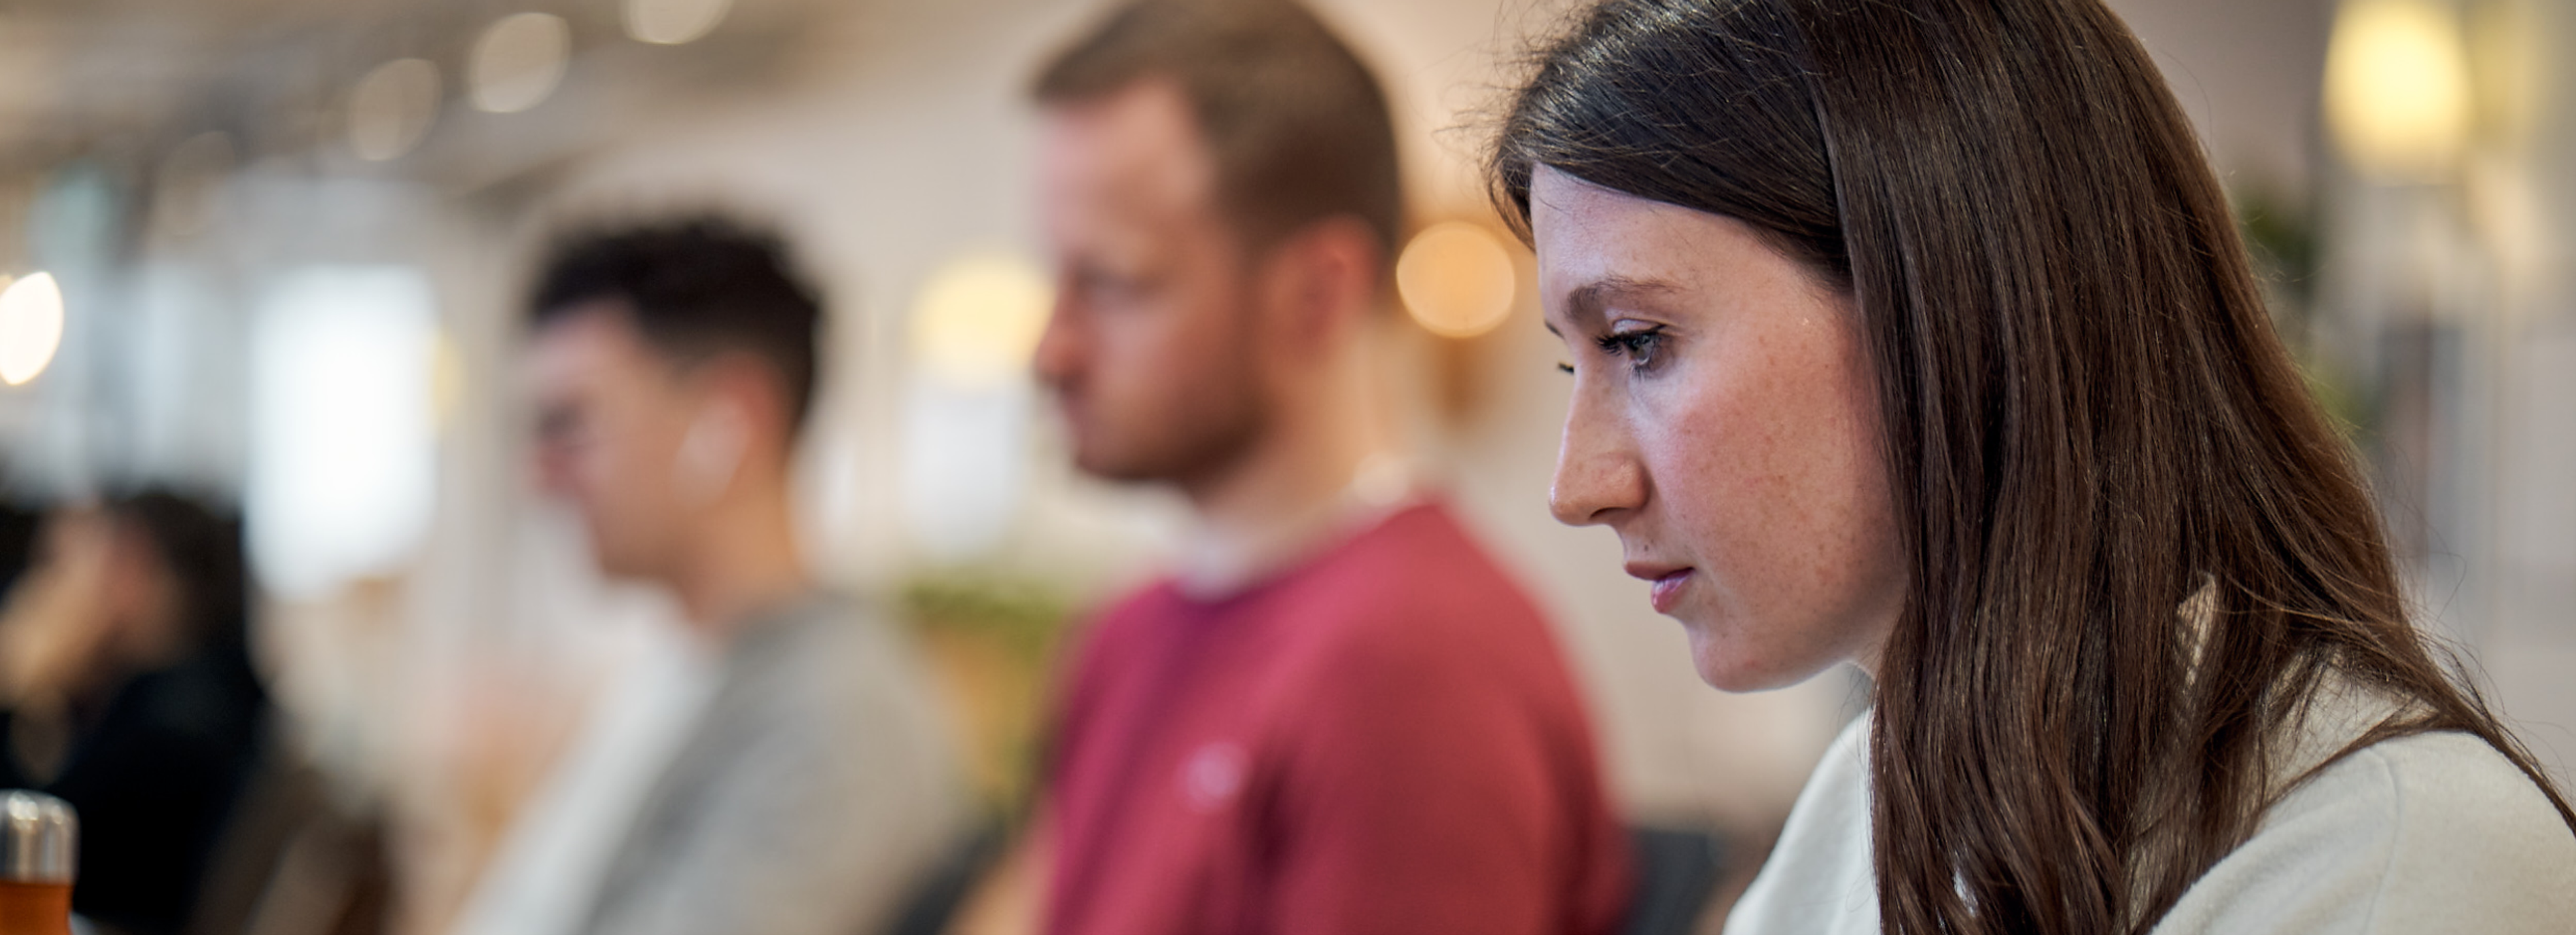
1336 715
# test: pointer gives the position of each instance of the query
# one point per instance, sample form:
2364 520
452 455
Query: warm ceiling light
31 327
1457 279
392 109
979 318
2397 88
671 22
518 61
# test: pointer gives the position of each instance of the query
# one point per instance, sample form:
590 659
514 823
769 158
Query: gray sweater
815 793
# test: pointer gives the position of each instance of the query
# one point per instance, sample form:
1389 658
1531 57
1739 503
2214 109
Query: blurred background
269 253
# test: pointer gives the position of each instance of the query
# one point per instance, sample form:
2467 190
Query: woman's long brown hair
2088 418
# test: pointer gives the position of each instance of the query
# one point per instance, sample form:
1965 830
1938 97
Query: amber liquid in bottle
39 850
35 908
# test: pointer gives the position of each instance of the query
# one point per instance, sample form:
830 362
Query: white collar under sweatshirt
2427 833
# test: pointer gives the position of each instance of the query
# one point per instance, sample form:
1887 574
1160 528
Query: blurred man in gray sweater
813 789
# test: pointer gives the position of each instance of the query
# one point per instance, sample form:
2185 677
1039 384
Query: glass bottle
39 840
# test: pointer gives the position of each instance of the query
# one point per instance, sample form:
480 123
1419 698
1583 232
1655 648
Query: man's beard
1202 442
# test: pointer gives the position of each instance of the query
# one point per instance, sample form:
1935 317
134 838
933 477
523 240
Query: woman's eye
1563 367
1637 347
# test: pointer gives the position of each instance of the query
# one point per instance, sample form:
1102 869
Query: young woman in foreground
1915 334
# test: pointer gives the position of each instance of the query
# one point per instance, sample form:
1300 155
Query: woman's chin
1734 668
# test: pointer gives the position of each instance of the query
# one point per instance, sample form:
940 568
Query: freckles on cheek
1753 455
1703 456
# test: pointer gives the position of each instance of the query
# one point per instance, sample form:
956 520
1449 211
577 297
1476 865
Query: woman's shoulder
2427 832
1819 877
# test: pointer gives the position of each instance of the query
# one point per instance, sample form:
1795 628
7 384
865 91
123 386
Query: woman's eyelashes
1639 347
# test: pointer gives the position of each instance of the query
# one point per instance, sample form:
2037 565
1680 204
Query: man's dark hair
694 287
1297 125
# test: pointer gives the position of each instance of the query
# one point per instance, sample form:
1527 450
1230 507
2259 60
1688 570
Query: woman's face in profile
1724 423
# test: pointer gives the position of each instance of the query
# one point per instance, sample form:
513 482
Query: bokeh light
2397 88
518 61
31 327
979 318
392 108
671 22
1457 279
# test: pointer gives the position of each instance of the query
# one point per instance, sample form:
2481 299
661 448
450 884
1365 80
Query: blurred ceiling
124 80
121 83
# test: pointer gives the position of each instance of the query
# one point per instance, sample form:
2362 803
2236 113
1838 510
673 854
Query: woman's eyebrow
1585 302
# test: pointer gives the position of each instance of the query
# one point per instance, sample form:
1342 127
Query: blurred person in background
1919 336
129 692
1336 714
802 784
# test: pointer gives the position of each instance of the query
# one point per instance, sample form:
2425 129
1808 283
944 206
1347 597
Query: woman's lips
1668 589
1668 581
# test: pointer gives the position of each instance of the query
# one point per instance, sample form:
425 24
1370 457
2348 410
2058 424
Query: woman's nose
1597 472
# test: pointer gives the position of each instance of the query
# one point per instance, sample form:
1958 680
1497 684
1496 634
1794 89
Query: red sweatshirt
1382 739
